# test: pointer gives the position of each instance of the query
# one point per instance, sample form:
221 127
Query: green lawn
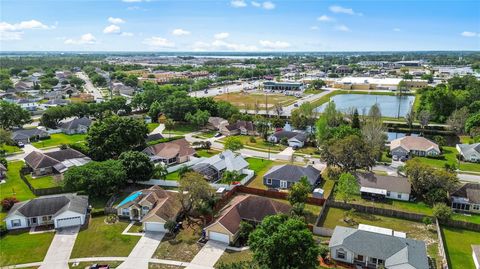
103 240
327 186
259 143
230 257
181 248
173 176
260 167
15 185
311 211
458 247
10 149
42 182
180 129
59 139
207 134
206 152
22 247
415 230
152 126
450 157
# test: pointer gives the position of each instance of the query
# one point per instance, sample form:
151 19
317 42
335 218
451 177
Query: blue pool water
130 198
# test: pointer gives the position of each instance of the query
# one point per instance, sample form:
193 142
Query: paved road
143 251
208 255
60 249
159 129
214 91
89 86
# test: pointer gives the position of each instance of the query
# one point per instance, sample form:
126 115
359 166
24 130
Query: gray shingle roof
471 191
293 173
289 134
38 159
389 183
470 150
226 160
393 250
28 133
51 205
73 124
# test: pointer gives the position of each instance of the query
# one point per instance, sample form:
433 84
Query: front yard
10 149
103 240
258 143
260 167
180 129
181 248
22 247
152 126
450 158
56 140
15 185
230 257
458 247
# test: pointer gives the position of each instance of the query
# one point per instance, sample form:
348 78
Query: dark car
99 266
20 144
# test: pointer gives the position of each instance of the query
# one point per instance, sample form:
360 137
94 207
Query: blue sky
238 25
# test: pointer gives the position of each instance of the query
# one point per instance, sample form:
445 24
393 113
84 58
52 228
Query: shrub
253 140
8 202
79 147
442 212
4 162
323 251
63 146
170 226
112 218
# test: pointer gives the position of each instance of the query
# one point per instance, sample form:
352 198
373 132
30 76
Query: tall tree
195 193
457 120
137 165
12 115
233 143
299 192
424 118
109 138
349 153
283 242
347 187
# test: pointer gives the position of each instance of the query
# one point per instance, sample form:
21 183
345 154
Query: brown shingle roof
179 147
470 191
414 143
249 207
167 203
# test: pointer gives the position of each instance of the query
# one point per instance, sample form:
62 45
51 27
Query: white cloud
397 29
256 4
268 5
116 20
314 28
325 18
238 3
126 34
158 42
339 9
342 28
469 34
274 44
112 29
14 31
180 32
87 38
221 35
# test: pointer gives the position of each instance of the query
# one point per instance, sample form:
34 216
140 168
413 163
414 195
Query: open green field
450 157
59 139
103 240
259 143
15 185
21 247
458 246
241 100
42 182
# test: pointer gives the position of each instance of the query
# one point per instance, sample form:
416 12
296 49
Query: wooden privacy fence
43 191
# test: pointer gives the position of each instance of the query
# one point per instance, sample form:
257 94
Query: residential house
476 255
173 152
54 161
55 102
377 247
64 210
23 86
284 176
294 139
469 152
3 172
248 208
411 145
467 198
216 123
29 135
214 167
153 207
76 126
27 104
381 187
123 90
241 127
52 95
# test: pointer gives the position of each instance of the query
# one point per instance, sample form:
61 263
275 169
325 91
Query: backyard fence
441 247
40 192
275 194
177 167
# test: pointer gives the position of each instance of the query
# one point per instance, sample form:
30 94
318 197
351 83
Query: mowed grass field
241 100
458 246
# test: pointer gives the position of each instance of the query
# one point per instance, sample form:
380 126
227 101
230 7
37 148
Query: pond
389 104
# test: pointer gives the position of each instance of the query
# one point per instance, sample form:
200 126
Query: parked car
99 266
395 157
218 134
295 105
20 144
403 158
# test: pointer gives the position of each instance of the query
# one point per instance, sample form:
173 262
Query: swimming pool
130 198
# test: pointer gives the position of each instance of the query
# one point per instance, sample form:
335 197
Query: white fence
177 167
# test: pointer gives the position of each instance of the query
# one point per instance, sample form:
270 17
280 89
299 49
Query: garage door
67 222
154 227
219 237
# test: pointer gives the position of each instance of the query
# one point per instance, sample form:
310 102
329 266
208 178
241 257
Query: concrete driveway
143 251
60 249
208 255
